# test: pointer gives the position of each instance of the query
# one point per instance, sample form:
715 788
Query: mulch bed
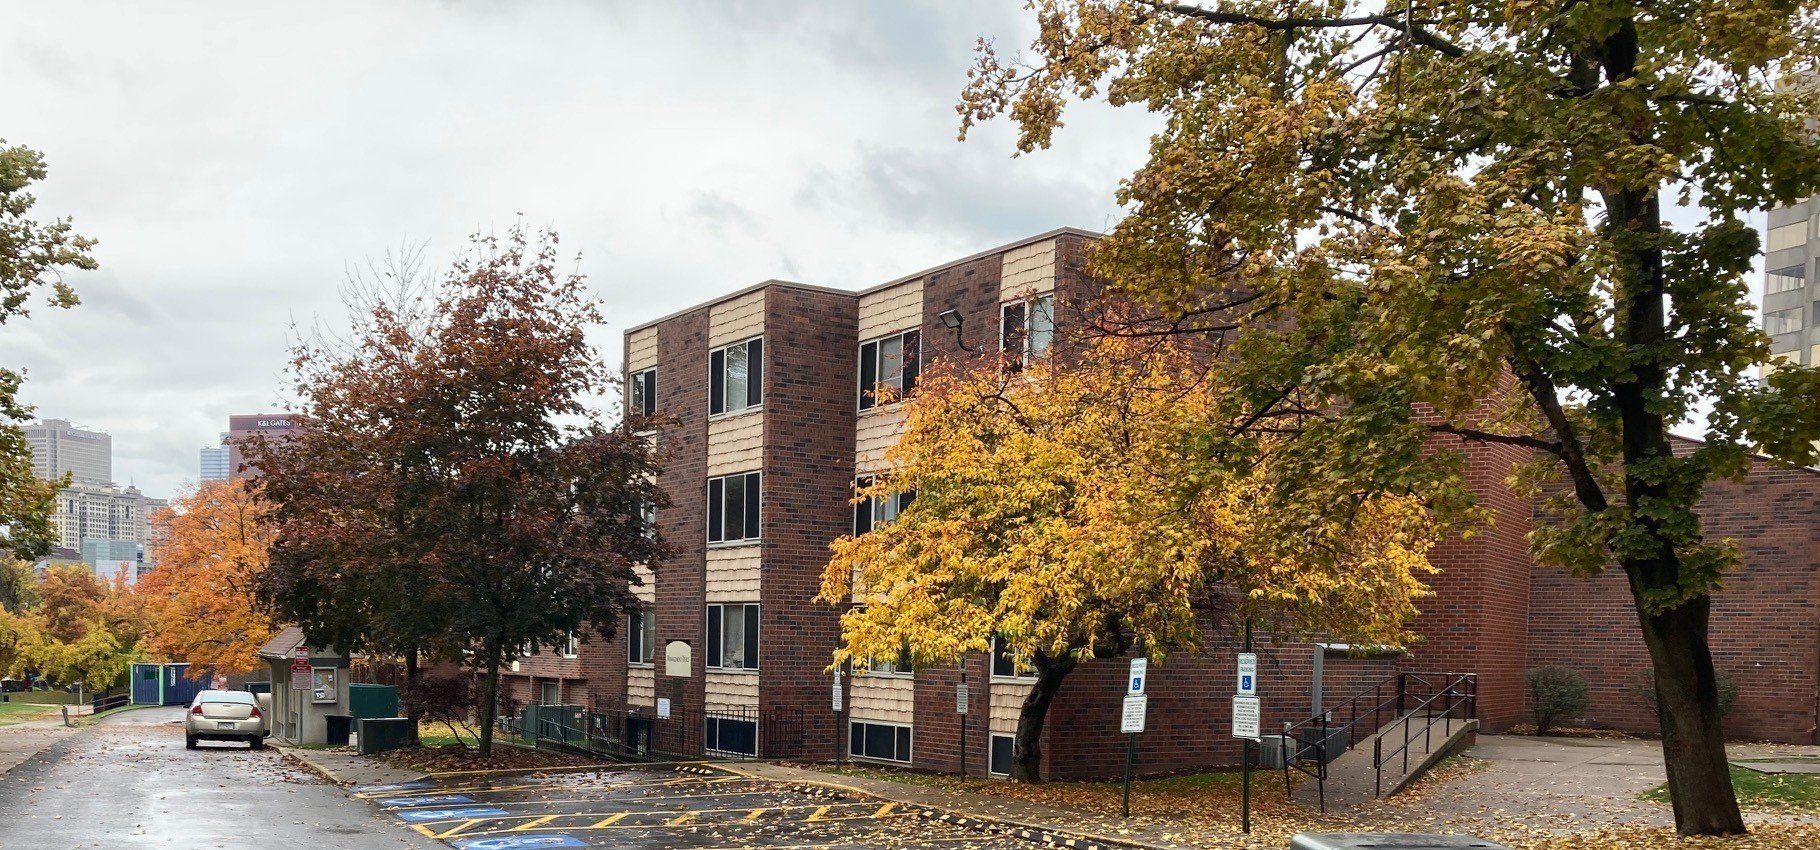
457 757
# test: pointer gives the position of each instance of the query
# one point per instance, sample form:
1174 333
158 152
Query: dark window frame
715 735
863 736
750 498
872 366
643 389
866 511
754 353
993 764
641 637
716 625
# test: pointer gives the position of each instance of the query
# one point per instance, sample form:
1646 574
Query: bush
1555 692
1642 688
447 698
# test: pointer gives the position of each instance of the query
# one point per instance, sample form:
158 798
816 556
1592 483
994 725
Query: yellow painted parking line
817 815
607 821
753 815
533 824
884 810
449 833
683 818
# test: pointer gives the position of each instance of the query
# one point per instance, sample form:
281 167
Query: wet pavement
129 783
659 807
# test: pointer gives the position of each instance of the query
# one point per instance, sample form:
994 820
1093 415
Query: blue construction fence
165 684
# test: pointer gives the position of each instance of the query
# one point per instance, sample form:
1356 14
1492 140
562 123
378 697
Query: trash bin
1389 841
339 727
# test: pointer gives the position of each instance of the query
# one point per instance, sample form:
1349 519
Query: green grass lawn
14 712
1798 792
57 697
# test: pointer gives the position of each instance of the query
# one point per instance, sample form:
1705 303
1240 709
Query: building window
647 517
1026 328
641 637
733 636
571 645
886 741
736 376
731 736
999 764
733 508
888 368
644 392
876 511
1787 236
898 665
549 693
1785 280
1782 321
1006 667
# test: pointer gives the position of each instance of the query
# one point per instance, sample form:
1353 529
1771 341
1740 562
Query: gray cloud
233 159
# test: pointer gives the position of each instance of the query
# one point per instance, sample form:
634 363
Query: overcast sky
236 159
233 159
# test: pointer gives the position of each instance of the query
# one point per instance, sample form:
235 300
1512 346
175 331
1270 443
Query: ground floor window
728 736
1000 762
549 693
880 741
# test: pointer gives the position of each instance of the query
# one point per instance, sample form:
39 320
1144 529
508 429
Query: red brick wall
682 397
810 403
1765 624
936 739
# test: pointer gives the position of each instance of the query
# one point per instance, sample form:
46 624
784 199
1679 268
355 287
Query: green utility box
382 734
372 701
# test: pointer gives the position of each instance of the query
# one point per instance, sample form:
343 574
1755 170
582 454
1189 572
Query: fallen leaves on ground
457 757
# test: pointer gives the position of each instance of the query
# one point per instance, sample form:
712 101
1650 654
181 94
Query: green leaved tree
1394 212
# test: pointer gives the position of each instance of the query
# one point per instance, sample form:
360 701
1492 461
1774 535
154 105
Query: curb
568 768
1035 833
294 755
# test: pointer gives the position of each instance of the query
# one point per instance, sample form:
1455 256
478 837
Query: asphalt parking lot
658 807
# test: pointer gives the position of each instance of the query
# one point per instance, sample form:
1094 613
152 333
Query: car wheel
189 742
257 742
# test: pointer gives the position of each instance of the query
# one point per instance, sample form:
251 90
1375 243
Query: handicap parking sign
427 815
520 842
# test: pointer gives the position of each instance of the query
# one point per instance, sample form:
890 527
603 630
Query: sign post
1248 688
960 708
1131 722
837 711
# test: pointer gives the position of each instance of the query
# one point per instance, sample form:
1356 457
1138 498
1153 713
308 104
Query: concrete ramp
1409 746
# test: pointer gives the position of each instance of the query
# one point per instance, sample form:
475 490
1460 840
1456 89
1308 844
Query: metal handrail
1461 686
1414 692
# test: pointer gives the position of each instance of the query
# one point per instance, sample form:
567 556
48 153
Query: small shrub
1555 692
1642 688
446 698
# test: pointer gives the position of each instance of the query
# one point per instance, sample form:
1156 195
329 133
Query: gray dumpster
1389 841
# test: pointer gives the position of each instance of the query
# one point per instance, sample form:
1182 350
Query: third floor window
733 503
888 368
644 392
1025 330
736 376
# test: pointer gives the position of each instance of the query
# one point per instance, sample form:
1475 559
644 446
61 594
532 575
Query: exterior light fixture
951 319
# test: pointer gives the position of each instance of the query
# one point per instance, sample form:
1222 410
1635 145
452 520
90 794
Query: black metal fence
641 734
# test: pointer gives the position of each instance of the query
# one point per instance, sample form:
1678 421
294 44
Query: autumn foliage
1069 511
201 596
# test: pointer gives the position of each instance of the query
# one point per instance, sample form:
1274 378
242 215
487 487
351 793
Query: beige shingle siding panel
641 350
740 318
736 443
733 574
1007 700
876 430
646 589
731 690
1027 270
893 310
886 699
641 686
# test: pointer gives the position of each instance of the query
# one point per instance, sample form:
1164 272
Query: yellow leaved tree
1072 512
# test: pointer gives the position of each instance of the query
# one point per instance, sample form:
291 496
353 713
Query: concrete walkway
344 767
21 741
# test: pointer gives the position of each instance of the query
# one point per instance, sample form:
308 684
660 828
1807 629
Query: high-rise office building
103 512
245 427
214 462
59 447
1790 298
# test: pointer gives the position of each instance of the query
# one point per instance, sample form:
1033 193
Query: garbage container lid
1389 841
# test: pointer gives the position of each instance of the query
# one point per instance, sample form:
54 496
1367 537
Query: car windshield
241 697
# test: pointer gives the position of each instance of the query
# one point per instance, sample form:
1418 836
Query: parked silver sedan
224 716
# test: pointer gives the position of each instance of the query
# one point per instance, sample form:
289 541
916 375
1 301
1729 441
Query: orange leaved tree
201 593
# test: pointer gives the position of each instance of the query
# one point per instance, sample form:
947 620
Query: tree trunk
1026 753
489 699
411 709
1687 705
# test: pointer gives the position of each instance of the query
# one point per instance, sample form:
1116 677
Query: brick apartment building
771 426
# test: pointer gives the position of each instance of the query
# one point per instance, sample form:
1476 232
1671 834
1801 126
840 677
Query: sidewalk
1048 824
344 768
20 741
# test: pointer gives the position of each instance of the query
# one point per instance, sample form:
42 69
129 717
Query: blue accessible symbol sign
431 815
